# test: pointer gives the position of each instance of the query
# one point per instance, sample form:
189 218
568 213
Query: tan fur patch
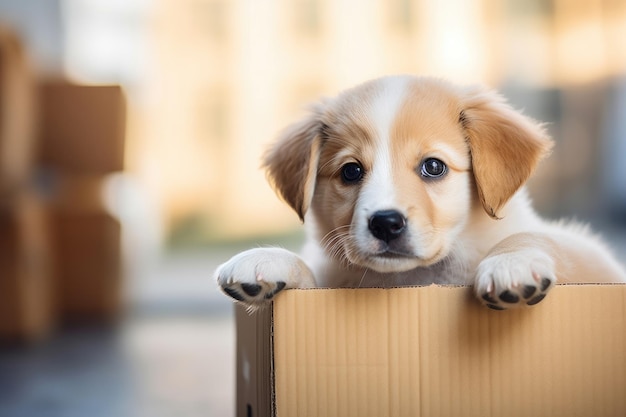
426 127
505 146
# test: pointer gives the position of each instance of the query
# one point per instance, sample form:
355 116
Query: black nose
387 225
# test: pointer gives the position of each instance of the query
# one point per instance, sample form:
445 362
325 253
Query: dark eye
351 173
433 168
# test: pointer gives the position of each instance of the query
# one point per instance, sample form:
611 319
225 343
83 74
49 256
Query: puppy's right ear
505 147
292 161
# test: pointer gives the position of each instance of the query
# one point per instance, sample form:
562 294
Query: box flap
254 362
435 351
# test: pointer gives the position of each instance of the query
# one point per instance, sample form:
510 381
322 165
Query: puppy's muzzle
387 225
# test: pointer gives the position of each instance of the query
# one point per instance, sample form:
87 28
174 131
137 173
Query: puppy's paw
255 276
514 279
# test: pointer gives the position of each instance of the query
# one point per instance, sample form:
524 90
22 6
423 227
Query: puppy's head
390 169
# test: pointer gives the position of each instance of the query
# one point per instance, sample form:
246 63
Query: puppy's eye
433 168
351 173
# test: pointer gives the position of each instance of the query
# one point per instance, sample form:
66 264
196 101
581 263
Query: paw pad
251 289
253 293
233 293
517 295
514 279
536 299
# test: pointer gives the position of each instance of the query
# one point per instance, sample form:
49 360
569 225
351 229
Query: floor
173 355
149 367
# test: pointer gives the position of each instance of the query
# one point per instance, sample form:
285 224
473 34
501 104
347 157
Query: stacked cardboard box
17 113
81 142
59 246
25 285
83 128
24 261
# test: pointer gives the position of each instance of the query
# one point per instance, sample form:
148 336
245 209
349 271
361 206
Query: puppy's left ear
505 147
292 161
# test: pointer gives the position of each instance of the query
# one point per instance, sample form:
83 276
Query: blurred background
130 139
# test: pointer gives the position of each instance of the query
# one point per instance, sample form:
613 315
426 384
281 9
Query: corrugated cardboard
433 351
25 273
82 128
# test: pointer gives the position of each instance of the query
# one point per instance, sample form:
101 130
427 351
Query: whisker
334 241
363 277
335 230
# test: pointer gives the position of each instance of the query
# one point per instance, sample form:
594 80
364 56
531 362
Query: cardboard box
74 193
87 265
433 351
86 248
17 113
82 128
25 274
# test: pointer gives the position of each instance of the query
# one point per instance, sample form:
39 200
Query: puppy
413 181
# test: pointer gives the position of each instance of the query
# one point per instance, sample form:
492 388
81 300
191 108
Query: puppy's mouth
393 254
387 259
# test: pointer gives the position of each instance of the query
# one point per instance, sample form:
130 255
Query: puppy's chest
445 273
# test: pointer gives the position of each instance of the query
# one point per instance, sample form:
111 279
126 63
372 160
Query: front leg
255 276
518 271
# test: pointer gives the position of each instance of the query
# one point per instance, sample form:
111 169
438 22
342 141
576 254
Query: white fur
380 193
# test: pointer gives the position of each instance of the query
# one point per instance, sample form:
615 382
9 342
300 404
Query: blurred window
213 109
401 15
212 17
308 17
530 8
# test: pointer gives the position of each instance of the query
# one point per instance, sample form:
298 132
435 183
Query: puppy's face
390 169
393 183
